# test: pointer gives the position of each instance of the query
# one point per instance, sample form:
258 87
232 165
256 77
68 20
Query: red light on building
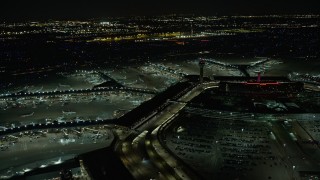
262 84
259 77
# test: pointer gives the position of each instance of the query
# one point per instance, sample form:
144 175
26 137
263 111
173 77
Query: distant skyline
83 9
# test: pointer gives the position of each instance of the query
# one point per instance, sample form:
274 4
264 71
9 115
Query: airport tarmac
42 148
68 108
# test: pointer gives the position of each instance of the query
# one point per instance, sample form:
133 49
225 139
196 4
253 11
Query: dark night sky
80 9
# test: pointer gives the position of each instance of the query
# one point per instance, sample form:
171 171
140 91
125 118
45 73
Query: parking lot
228 145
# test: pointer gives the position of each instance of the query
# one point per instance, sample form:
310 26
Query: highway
132 153
148 147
